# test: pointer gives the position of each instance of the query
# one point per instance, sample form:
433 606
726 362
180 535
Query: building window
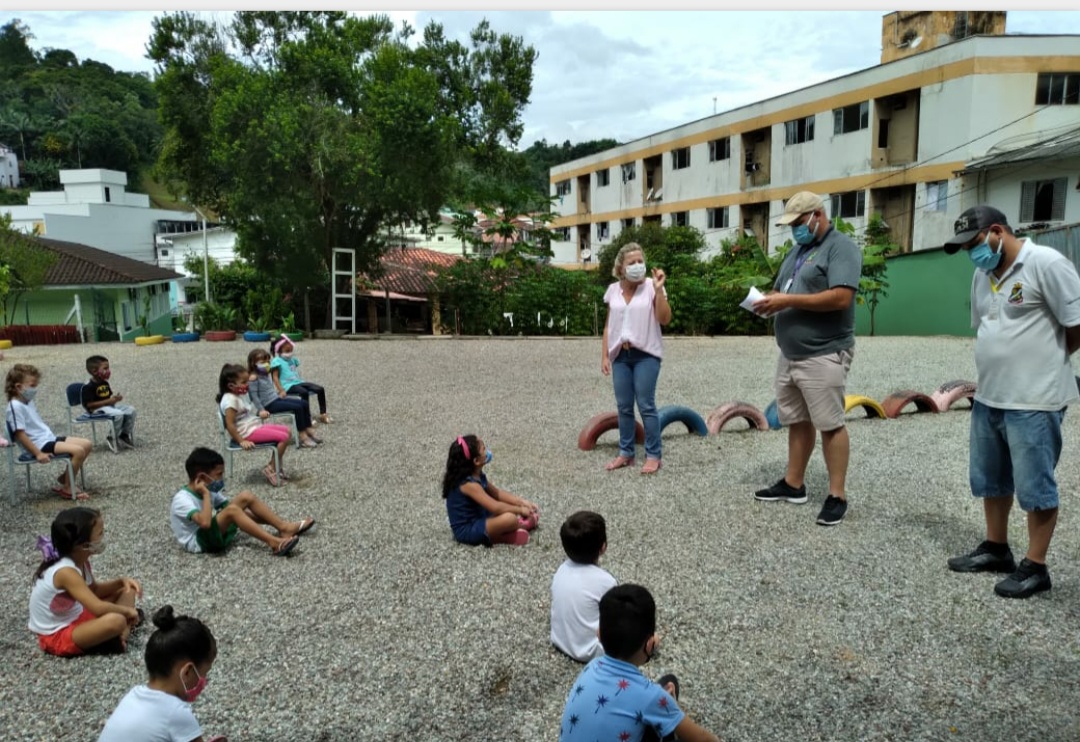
1043 200
851 118
937 193
680 158
562 188
603 178
602 231
1057 88
628 223
628 171
849 205
563 234
719 149
164 253
439 238
108 194
680 219
799 131
718 218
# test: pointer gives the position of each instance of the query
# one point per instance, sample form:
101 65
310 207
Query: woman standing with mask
632 350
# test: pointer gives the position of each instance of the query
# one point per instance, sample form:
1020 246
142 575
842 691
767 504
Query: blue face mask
802 234
216 486
487 459
983 257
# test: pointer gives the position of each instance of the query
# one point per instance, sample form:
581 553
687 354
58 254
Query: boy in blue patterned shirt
611 698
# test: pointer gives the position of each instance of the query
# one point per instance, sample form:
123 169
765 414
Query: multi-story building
9 168
917 139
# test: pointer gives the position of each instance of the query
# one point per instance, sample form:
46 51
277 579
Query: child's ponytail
71 528
177 638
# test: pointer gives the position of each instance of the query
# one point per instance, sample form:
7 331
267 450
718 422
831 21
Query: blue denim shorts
1015 452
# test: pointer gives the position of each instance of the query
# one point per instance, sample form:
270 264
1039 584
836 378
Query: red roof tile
412 270
82 265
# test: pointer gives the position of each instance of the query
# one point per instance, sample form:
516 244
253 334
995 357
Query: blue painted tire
185 337
773 416
257 337
678 414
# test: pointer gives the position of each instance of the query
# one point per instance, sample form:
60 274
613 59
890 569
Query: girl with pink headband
284 370
479 512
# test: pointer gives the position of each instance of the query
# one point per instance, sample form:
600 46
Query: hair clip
48 551
464 447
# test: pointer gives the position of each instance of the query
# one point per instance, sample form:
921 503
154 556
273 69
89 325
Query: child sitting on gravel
204 520
244 425
179 656
611 698
578 586
70 612
479 512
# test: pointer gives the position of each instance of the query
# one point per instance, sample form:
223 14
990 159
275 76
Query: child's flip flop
66 494
287 546
305 525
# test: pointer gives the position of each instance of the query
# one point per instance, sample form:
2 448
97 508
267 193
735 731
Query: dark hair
275 340
230 372
94 362
18 374
627 620
71 528
202 461
583 536
178 638
458 465
254 356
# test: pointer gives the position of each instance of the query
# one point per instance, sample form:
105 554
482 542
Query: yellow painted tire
151 340
5 344
873 409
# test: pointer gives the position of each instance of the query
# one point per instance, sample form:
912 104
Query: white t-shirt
24 416
186 503
247 419
147 715
576 590
1020 351
51 609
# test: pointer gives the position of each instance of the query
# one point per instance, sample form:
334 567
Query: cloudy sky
623 74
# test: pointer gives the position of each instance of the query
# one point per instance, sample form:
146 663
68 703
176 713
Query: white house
918 140
9 168
95 209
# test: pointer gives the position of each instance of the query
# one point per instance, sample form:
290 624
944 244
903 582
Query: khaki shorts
813 389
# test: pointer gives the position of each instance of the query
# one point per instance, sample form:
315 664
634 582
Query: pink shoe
529 523
651 466
520 537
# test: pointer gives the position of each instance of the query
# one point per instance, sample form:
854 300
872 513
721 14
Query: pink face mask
105 374
190 694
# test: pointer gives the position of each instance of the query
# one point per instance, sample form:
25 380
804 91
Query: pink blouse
634 322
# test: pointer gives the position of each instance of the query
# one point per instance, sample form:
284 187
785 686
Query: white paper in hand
753 296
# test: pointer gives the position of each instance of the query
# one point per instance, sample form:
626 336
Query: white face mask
635 272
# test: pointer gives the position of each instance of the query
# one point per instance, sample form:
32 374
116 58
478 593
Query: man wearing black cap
1025 307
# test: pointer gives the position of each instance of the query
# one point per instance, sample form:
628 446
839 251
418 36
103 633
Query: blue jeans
1015 451
634 373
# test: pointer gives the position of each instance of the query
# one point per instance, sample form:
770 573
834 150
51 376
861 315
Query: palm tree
18 122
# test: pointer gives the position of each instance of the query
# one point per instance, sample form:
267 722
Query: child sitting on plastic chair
98 398
243 424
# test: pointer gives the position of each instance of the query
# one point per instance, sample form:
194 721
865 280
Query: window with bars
1057 88
628 223
937 194
799 131
680 219
680 158
562 188
602 232
718 218
603 178
1043 200
629 171
851 118
720 149
848 205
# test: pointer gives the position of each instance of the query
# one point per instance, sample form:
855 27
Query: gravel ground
381 627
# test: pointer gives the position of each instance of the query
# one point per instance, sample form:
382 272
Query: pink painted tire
725 413
895 403
602 423
217 336
951 392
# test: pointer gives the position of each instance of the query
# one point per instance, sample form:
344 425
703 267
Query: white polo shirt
1020 324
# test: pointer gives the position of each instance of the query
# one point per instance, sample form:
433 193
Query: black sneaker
782 491
1028 579
832 512
984 559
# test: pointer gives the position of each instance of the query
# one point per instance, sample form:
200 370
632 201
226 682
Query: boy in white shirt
578 586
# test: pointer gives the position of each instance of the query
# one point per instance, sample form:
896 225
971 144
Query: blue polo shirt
612 700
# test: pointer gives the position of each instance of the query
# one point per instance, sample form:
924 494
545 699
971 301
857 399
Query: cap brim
953 246
787 219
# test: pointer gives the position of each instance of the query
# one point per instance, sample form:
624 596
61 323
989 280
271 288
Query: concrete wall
929 294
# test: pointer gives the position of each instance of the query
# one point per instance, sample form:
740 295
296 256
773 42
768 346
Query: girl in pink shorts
244 424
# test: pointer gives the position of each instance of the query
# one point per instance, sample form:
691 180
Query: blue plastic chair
93 419
230 446
24 459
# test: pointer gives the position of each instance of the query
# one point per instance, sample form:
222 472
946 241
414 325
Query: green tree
24 265
873 284
314 130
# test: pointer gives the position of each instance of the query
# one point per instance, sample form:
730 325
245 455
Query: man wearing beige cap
813 301
1025 308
